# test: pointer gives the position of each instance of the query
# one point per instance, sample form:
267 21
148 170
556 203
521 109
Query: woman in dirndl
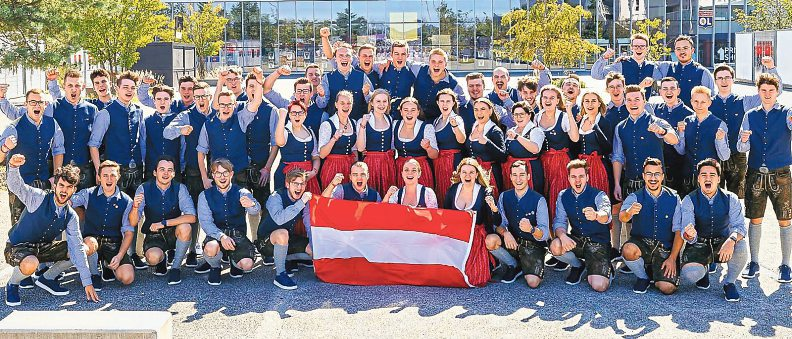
414 139
486 142
593 144
413 193
297 146
450 134
524 142
375 140
337 139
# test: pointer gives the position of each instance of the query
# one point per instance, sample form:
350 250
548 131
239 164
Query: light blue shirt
56 145
206 219
542 217
721 146
601 201
736 214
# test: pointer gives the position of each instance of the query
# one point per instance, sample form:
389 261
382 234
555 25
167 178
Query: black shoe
27 283
214 276
561 266
161 269
511 274
731 292
138 262
575 275
96 281
305 263
192 260
641 286
174 276
236 272
703 283
551 262
107 274
171 255
267 261
224 259
713 267
292 267
498 273
203 268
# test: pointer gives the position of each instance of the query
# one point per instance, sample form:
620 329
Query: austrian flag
362 243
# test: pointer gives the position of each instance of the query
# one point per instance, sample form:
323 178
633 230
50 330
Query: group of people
557 178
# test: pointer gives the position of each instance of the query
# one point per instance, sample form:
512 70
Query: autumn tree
548 30
766 15
204 29
655 30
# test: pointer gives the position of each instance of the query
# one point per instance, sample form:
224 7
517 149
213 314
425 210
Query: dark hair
296 173
162 88
128 75
723 67
186 78
448 91
99 73
524 105
68 173
201 85
221 162
529 82
577 163
165 157
684 38
767 79
709 162
653 162
633 89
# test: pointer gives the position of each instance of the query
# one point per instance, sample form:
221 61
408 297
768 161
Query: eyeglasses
727 78
297 113
225 105
203 96
36 102
302 91
519 114
221 174
653 174
298 184
639 46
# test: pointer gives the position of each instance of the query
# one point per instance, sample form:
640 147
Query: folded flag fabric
363 243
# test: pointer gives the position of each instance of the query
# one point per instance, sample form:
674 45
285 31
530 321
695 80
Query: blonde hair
701 90
440 52
482 176
555 89
379 91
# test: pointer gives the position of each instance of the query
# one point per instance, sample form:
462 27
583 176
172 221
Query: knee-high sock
280 258
193 236
93 263
693 273
214 262
786 244
570 258
16 276
181 250
298 256
637 267
754 239
503 255
737 263
616 233
56 269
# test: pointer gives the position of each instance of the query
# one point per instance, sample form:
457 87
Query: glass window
307 44
269 33
287 20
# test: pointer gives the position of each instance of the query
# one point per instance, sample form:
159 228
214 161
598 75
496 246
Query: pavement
253 307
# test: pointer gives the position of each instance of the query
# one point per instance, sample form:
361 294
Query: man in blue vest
363 61
504 96
357 189
107 232
655 240
714 228
39 138
524 230
186 88
188 125
345 77
153 143
101 87
528 87
168 211
766 134
396 76
731 108
32 239
673 111
588 211
304 91
276 235
688 72
635 68
221 212
701 136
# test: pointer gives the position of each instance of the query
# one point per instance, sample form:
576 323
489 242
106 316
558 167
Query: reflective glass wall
274 33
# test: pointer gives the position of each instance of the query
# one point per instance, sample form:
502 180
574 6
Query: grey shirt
281 215
186 205
736 214
81 198
601 201
542 217
206 219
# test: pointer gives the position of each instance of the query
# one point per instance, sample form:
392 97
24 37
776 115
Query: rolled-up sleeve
676 223
600 69
561 220
186 204
125 225
99 128
256 208
722 145
736 216
11 111
173 130
144 96
618 152
603 205
277 99
504 221
744 147
57 141
281 215
54 89
543 219
80 199
203 141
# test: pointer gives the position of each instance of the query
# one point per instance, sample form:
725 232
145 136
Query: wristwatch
164 223
733 238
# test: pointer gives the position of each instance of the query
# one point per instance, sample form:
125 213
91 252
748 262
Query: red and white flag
362 243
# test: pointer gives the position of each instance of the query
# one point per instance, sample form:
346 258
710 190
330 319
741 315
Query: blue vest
227 212
656 219
99 104
379 141
313 119
295 150
351 194
421 196
515 149
42 225
197 120
425 90
634 73
466 112
410 148
160 205
268 225
446 139
517 209
242 97
700 141
673 116
399 84
104 215
122 143
226 140
614 115
258 134
354 84
638 144
731 111
581 226
344 144
157 145
712 221
770 139
688 76
75 122
35 144
596 141
513 94
494 135
373 76
556 138
179 106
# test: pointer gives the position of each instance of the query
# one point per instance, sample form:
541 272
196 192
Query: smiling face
700 102
724 80
366 58
343 106
437 65
591 103
73 87
164 172
63 191
635 102
616 89
186 90
446 103
528 95
653 177
768 93
639 49
314 75
222 177
343 59
126 90
571 88
162 102
411 173
359 178
550 100
500 78
468 174
475 88
380 103
296 187
101 86
669 90
302 92
227 105
708 180
234 82
409 111
520 116
35 106
519 178
578 179
108 178
684 51
482 112
399 56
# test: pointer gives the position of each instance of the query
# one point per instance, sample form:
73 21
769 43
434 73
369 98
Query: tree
766 15
344 18
204 29
113 30
549 30
654 28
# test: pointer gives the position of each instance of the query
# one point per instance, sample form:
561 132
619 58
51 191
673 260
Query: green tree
113 30
655 29
342 21
766 15
204 29
549 30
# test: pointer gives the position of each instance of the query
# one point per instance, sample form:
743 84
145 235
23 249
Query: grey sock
181 250
754 238
93 263
133 248
194 236
737 263
503 255
56 269
570 259
616 233
214 261
786 244
637 267
280 258
16 276
298 256
693 273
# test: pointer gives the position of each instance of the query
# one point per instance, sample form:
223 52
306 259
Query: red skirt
426 178
598 176
336 163
443 170
382 170
313 184
487 166
506 169
554 163
477 266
